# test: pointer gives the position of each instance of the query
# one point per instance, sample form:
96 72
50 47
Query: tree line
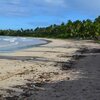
86 29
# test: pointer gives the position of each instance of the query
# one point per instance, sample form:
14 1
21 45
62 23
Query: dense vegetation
85 29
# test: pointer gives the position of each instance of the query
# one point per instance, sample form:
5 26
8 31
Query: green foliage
85 29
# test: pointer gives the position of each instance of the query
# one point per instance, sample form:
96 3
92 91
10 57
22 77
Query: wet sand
59 70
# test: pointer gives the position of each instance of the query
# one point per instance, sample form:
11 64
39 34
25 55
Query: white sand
39 65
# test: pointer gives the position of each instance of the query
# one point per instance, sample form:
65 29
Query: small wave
15 43
10 39
24 38
6 39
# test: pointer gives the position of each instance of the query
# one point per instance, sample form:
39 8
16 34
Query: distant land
86 29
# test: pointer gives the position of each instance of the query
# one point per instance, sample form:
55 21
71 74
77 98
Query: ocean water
10 44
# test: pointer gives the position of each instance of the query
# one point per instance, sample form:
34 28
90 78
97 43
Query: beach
58 70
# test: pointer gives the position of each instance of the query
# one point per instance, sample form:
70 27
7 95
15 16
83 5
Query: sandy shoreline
44 72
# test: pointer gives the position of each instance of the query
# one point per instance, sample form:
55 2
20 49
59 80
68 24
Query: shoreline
38 73
26 47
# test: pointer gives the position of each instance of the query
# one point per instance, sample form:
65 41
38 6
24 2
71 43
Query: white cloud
50 7
15 2
90 6
56 2
13 8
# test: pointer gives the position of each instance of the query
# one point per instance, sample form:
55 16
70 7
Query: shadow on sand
85 88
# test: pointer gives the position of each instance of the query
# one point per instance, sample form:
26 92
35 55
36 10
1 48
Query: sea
12 44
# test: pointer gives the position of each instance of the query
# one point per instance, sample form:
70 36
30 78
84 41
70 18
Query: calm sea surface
9 44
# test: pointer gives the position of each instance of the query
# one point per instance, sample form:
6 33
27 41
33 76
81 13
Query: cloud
29 7
48 7
13 8
85 6
60 3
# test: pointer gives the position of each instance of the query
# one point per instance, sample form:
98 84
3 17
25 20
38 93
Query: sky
16 14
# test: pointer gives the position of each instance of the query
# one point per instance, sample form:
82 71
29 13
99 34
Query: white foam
10 43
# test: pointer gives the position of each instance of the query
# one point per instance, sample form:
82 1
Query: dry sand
52 71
